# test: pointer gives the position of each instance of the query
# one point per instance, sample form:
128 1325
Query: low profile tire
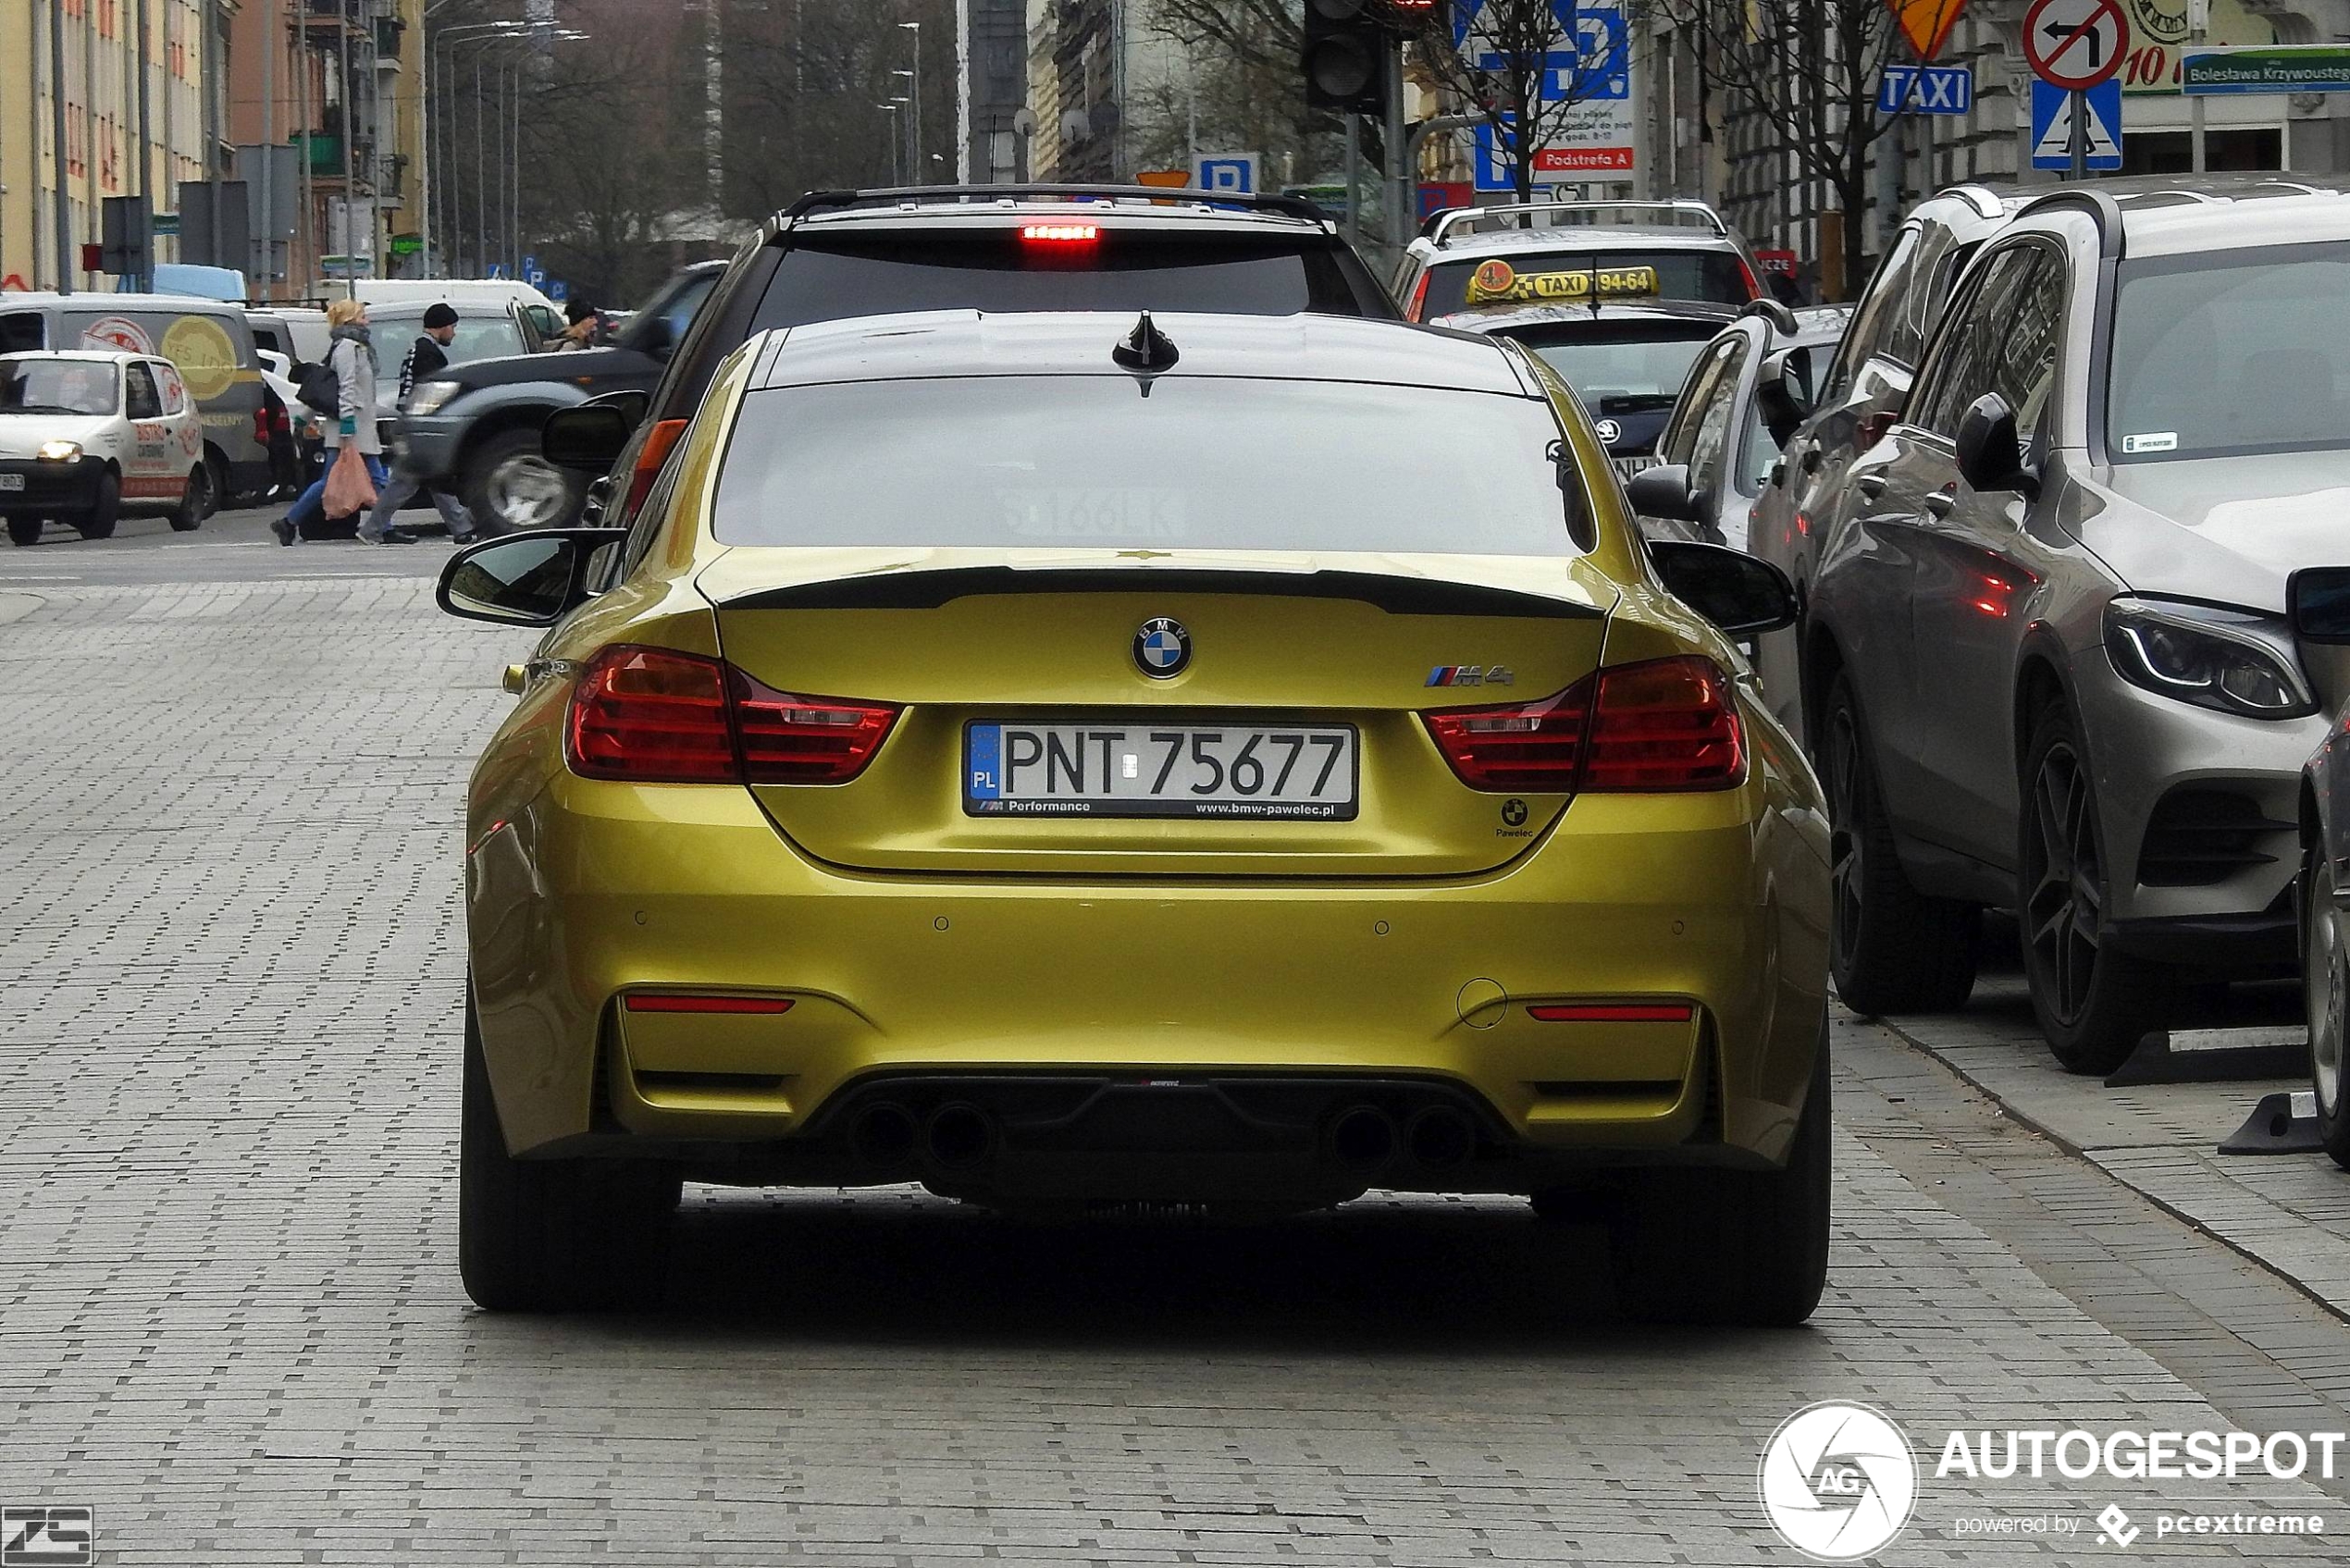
2325 979
1732 1246
99 521
1891 948
552 1235
195 502
24 530
2093 1005
510 485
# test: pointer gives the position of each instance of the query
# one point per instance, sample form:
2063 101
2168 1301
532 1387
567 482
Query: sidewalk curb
2339 1310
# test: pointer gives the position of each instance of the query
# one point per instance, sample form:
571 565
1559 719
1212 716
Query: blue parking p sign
1230 174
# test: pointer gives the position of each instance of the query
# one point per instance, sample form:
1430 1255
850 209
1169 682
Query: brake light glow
1060 233
677 1002
658 442
1419 299
1613 1012
654 715
1665 726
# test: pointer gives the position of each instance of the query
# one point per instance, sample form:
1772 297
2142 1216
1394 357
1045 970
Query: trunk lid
1276 642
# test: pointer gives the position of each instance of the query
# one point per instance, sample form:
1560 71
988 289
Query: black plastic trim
931 590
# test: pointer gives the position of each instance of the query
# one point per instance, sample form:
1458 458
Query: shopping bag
350 488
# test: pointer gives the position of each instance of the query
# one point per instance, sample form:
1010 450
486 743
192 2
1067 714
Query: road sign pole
2079 139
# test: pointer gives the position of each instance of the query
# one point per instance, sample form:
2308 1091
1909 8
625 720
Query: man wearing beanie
428 357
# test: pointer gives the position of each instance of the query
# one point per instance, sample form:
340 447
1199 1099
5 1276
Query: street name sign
2281 67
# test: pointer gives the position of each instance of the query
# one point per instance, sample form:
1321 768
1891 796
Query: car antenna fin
1146 350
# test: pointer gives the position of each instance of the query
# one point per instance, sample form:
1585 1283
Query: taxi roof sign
1497 282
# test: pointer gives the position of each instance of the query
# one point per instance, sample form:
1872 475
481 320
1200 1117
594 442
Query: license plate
11 481
1290 771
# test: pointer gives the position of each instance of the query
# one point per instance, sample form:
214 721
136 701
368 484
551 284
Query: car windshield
2231 353
1200 464
479 336
56 386
1122 270
1680 274
1634 374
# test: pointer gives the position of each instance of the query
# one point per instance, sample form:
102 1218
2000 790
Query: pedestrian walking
425 357
351 357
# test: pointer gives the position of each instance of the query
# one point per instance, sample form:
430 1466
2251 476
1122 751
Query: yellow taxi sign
1497 282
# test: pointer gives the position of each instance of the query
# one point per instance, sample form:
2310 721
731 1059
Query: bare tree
1810 69
1516 64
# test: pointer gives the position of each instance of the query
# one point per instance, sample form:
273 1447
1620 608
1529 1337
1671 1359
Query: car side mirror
586 437
2317 598
529 579
1990 453
633 405
1742 594
1664 492
1785 393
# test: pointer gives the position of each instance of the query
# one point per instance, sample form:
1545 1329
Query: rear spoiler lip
933 589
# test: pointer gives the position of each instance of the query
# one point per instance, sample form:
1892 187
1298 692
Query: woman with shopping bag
355 472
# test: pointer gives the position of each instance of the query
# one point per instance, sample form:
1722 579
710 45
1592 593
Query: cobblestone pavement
229 1318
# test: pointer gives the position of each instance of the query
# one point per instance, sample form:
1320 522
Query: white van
476 295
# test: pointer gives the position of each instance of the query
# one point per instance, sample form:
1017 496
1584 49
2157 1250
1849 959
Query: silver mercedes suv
2047 649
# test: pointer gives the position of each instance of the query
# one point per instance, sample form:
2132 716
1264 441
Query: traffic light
1345 55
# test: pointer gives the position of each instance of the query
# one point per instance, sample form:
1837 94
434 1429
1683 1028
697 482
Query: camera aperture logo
1838 1481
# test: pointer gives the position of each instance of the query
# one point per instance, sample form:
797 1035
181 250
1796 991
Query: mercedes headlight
2234 661
431 397
61 451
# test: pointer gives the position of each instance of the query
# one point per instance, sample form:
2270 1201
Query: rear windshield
2226 353
1680 275
1636 373
1122 270
1201 463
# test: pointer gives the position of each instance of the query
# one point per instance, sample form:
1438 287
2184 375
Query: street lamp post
452 40
897 139
914 130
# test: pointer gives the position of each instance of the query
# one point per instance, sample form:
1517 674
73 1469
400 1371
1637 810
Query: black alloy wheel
24 530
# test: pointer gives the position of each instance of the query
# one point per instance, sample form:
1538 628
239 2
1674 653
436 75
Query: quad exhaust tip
959 1136
887 1133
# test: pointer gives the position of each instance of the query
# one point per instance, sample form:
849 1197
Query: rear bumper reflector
1615 1012
663 1002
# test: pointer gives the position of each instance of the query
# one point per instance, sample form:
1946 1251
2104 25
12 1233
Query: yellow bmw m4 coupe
1078 763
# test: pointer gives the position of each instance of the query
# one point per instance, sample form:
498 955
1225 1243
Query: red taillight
1060 233
1613 1012
1754 289
790 739
677 1002
1419 299
652 715
1665 726
264 424
649 457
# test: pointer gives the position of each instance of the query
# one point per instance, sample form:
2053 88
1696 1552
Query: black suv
1003 248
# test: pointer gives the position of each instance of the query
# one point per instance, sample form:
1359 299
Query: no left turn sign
2075 44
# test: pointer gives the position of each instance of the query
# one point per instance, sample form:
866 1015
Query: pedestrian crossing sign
2052 126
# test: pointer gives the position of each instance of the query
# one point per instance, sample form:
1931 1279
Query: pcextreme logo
1838 1481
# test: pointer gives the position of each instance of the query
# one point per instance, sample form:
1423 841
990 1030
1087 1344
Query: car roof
1708 313
1002 207
2181 218
103 356
1577 238
119 304
932 345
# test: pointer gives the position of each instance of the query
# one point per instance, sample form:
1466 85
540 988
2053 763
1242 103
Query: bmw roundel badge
1162 648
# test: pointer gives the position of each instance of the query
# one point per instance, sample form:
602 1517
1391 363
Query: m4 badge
1472 675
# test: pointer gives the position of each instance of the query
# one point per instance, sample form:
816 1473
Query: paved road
229 1318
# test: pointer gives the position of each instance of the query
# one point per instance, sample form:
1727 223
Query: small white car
85 436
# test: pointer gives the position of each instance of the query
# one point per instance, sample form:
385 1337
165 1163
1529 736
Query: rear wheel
98 522
552 1235
24 530
2325 979
195 502
1732 1246
511 485
2093 1004
1891 948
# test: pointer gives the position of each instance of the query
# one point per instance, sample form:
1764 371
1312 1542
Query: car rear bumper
908 990
49 487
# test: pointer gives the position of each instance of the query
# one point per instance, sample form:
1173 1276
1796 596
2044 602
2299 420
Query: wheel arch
2040 683
1821 661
